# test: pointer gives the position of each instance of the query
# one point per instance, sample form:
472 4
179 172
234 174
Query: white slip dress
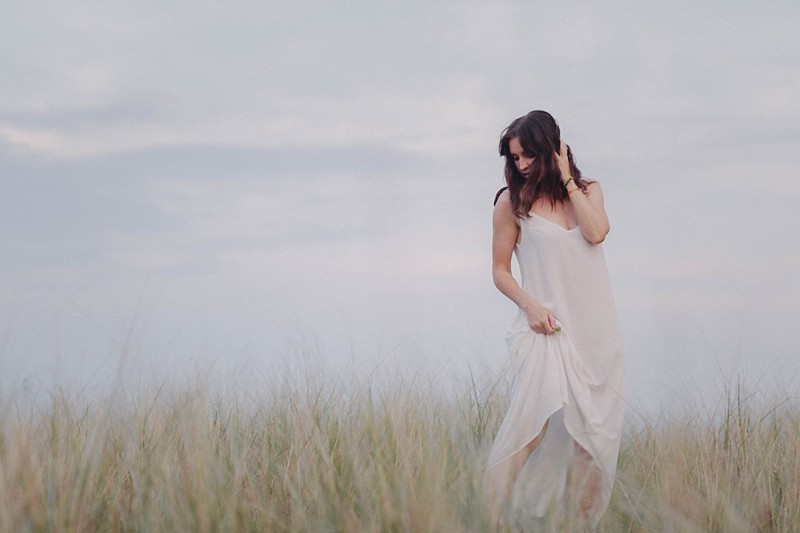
575 377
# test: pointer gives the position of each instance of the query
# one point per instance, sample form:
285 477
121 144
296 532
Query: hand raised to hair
562 159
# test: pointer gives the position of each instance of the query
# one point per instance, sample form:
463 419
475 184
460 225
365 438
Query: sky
245 185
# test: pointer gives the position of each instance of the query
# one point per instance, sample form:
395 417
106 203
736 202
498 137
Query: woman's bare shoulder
592 185
594 192
502 191
503 209
502 201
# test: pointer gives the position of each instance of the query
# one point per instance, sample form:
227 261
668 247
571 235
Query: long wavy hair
539 136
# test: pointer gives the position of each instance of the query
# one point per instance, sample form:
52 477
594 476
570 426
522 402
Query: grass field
314 455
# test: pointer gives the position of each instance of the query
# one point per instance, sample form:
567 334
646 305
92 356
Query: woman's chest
561 214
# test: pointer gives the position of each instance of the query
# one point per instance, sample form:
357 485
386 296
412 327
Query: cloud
180 210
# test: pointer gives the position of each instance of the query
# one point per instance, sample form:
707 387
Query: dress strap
496 196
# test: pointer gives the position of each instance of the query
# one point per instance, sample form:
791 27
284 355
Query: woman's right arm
504 237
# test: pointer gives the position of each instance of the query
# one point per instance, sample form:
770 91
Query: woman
555 453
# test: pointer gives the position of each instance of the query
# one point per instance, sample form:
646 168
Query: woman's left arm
589 208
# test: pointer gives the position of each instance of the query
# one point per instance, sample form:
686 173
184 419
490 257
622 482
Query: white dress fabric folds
574 377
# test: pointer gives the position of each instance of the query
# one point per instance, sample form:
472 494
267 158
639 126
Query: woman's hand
562 159
541 319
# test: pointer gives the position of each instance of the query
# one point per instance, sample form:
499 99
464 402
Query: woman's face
523 161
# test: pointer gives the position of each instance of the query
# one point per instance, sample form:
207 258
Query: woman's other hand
541 320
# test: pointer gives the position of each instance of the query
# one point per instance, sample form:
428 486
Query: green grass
310 455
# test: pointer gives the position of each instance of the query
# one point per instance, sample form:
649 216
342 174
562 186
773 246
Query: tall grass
311 455
738 470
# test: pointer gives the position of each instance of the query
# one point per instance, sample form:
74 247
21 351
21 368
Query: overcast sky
245 182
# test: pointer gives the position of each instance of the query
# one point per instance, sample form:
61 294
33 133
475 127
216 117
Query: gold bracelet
567 182
573 190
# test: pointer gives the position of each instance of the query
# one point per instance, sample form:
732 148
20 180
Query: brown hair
539 136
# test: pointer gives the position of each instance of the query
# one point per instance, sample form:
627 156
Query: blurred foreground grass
310 455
